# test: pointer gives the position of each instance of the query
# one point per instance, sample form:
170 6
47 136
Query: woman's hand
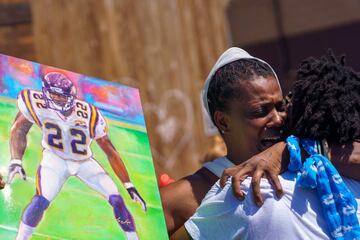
269 163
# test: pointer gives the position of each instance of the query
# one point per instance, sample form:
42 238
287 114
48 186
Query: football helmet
57 84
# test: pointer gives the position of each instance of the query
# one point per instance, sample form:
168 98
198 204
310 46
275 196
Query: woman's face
255 120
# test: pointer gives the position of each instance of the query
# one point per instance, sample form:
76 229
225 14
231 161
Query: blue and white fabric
338 203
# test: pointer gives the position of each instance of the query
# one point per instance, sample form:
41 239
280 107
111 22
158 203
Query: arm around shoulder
181 198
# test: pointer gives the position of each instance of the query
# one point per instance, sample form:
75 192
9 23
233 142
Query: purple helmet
58 83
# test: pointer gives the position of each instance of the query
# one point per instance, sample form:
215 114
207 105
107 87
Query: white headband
231 55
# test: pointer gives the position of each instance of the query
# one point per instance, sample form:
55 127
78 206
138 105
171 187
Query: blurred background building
167 47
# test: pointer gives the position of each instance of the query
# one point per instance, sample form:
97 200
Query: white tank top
218 165
297 215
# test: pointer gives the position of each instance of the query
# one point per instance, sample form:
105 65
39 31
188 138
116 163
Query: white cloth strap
218 165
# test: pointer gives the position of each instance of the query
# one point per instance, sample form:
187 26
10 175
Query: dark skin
270 162
254 119
345 157
18 132
248 129
60 100
114 158
181 198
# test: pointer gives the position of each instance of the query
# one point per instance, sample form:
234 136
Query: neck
345 152
67 113
235 156
235 153
346 158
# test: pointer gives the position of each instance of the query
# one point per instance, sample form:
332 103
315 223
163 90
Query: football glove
135 196
14 168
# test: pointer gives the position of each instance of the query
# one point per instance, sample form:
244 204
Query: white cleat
131 235
25 232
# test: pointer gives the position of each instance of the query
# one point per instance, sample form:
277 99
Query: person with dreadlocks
318 203
243 97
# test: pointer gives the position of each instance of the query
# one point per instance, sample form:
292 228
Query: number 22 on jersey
55 139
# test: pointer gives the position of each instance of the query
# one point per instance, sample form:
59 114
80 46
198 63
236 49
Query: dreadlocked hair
326 100
224 85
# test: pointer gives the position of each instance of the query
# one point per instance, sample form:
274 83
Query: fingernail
280 194
241 198
259 203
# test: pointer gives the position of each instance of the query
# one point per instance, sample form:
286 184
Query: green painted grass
78 212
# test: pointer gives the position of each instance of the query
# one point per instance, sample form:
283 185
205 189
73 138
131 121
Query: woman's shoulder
354 187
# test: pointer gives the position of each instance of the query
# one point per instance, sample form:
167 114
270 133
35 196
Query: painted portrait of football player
68 126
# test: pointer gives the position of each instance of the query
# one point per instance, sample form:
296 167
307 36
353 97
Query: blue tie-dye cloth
338 203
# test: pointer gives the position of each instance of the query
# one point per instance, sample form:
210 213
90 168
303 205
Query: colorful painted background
117 101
